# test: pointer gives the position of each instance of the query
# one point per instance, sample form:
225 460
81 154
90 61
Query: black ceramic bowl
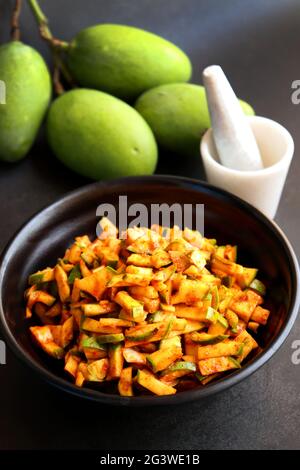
260 243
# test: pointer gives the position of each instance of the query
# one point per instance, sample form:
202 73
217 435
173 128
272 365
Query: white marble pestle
248 156
234 139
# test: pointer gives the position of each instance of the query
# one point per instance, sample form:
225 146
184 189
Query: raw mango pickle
189 339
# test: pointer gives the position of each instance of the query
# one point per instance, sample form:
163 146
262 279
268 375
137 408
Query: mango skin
125 61
28 93
178 115
100 136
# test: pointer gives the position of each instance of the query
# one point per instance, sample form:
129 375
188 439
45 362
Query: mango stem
56 45
15 32
43 23
58 86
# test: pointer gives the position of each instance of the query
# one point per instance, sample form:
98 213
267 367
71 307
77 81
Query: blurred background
258 45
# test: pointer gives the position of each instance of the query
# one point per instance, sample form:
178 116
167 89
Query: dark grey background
257 44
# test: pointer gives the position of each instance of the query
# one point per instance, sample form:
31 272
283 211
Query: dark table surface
257 44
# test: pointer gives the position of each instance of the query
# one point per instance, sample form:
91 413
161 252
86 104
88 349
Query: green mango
178 115
125 61
100 136
28 93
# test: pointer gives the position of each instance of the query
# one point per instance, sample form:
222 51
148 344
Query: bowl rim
185 396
